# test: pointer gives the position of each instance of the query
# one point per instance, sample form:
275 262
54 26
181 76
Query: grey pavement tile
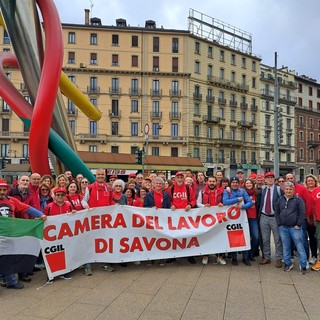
48 308
128 306
285 314
172 298
212 270
311 304
15 304
185 274
147 315
80 311
203 310
210 289
269 273
238 311
245 298
23 317
245 284
281 296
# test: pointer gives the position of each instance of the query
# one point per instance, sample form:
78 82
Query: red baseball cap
253 175
3 183
60 189
269 174
179 173
132 175
113 177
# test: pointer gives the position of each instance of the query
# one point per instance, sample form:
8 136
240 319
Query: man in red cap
11 207
59 205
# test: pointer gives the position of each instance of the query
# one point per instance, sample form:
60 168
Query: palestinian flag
19 244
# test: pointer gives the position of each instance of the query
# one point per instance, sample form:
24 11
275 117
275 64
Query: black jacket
290 212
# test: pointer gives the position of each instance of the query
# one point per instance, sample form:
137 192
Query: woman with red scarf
117 193
252 218
141 195
73 196
130 194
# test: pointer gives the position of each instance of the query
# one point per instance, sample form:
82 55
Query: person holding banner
239 197
211 195
141 196
10 208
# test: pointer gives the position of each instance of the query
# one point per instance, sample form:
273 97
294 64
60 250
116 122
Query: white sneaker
42 266
307 266
220 260
137 263
205 260
312 260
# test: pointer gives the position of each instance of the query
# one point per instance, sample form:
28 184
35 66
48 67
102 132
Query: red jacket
179 196
75 201
100 196
53 209
302 192
212 197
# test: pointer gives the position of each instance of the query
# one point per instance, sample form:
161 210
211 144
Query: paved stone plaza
176 291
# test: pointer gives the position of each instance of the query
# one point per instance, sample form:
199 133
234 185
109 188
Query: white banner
123 233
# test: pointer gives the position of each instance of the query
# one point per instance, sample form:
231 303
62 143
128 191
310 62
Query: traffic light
138 156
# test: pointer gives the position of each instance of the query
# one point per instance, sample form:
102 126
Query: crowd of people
277 205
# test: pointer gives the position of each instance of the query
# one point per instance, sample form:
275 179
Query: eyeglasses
44 190
281 181
84 181
118 186
60 194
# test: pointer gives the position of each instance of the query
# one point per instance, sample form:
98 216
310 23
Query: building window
196 130
175 65
175 109
243 62
209 132
233 59
155 63
135 86
71 109
93 39
233 115
156 87
134 106
221 133
233 76
288 110
311 123
72 124
197 110
114 149
115 85
93 84
5 125
25 151
210 52
134 150
115 60
197 47
93 127
221 113
5 106
72 79
300 87
209 158
222 55
156 108
301 136
115 107
134 61
253 157
254 66
6 49
134 128
243 135
301 154
6 38
210 71
243 157
94 102
253 136
5 150
253 82
155 151
310 91
93 58
232 134
197 67
174 130
174 152
114 128
221 73
115 39
71 57
155 129
71 37
196 153
175 87
175 45
134 41
156 46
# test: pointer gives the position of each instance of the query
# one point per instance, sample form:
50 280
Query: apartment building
199 96
286 122
308 126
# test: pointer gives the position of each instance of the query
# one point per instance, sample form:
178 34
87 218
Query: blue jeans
11 279
254 234
290 233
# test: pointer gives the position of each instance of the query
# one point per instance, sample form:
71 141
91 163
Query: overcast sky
289 27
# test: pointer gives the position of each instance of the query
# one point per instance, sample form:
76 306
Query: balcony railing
93 90
175 93
175 115
210 99
156 115
72 112
114 91
221 160
91 137
14 136
228 83
221 102
115 114
254 108
211 119
233 103
243 105
134 92
6 111
156 93
248 124
197 96
267 93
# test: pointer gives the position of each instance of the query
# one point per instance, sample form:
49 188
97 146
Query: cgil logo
56 257
236 235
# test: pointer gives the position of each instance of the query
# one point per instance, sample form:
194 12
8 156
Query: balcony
114 91
209 160
227 83
114 114
6 111
243 161
221 102
313 143
211 119
134 92
197 96
156 93
23 88
14 136
210 99
175 115
288 99
267 77
93 90
220 160
243 105
233 161
247 124
233 103
82 138
318 162
227 142
267 94
72 112
156 115
254 108
175 93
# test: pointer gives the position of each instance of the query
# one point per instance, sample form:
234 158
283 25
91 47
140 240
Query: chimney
86 16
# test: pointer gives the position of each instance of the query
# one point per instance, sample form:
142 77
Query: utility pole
276 117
